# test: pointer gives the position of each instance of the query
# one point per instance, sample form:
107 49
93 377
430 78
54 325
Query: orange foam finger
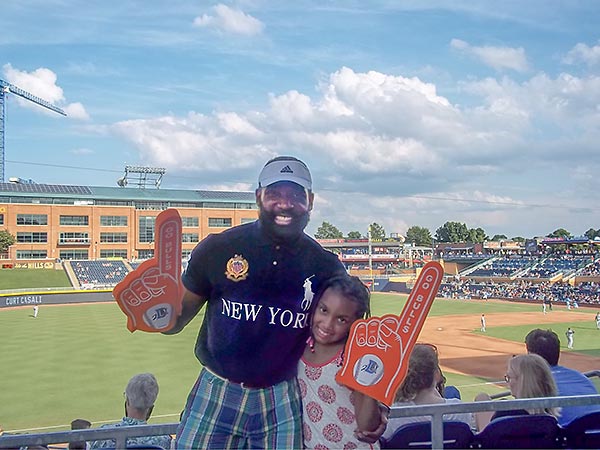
151 295
377 364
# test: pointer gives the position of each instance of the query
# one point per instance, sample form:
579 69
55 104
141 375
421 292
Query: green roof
121 193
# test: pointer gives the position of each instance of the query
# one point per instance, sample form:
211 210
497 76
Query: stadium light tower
142 176
6 88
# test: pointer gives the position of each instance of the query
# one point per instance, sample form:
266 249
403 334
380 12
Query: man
257 281
568 381
140 396
483 323
570 334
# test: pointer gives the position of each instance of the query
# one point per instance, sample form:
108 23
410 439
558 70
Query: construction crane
6 88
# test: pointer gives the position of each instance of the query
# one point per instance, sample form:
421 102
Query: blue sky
408 112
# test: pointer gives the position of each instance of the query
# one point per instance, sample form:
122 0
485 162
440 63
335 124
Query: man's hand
378 349
151 295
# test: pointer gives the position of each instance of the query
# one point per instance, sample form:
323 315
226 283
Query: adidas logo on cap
285 168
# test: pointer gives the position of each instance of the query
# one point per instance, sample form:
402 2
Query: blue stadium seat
529 431
583 432
418 436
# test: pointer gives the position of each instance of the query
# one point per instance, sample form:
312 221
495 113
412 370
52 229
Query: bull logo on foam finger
378 348
151 295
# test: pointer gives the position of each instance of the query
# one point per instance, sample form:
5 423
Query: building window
73 238
80 221
247 220
218 205
219 222
156 206
113 253
113 237
24 237
73 254
32 254
1 219
32 219
146 228
189 221
146 254
190 237
246 206
113 221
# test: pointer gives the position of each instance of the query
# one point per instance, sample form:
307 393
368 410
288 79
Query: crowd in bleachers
565 264
95 273
503 267
583 293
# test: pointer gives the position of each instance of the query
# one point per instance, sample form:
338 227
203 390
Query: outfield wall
54 298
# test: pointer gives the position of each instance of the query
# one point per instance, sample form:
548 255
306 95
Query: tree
418 236
354 235
377 232
518 239
499 237
560 233
452 232
6 240
328 231
591 233
477 236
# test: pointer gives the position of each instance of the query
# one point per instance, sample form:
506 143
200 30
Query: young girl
332 412
422 387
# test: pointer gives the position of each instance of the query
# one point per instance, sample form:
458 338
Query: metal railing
436 412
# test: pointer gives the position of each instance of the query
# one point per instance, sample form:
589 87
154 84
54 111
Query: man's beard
280 232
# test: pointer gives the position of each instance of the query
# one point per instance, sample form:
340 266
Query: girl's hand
370 437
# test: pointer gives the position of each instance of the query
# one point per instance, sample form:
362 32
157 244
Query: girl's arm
367 412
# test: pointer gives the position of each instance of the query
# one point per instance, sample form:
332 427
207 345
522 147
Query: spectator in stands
79 424
422 386
140 395
528 376
568 381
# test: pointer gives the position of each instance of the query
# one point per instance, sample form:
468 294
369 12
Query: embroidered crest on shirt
308 294
237 268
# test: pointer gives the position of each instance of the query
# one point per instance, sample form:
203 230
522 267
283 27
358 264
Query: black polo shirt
259 301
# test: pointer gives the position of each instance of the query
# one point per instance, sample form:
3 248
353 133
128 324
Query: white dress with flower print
327 409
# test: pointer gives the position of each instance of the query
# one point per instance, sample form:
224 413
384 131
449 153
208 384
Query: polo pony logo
237 268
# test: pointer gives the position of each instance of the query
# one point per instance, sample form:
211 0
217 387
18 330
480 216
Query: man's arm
191 305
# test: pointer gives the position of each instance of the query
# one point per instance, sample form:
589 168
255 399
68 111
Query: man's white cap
285 168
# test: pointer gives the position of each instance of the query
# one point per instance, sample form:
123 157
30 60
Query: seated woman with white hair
140 395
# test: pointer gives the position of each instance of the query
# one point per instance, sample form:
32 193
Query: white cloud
393 147
230 20
499 58
581 53
76 111
196 142
42 83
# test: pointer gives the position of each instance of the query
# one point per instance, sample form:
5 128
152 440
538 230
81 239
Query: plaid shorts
220 414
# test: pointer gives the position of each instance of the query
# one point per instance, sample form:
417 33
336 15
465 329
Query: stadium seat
418 436
583 432
530 431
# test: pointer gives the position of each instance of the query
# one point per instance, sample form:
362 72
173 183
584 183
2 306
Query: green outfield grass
74 361
32 278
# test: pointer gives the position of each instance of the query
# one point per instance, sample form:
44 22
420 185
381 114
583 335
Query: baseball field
73 361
